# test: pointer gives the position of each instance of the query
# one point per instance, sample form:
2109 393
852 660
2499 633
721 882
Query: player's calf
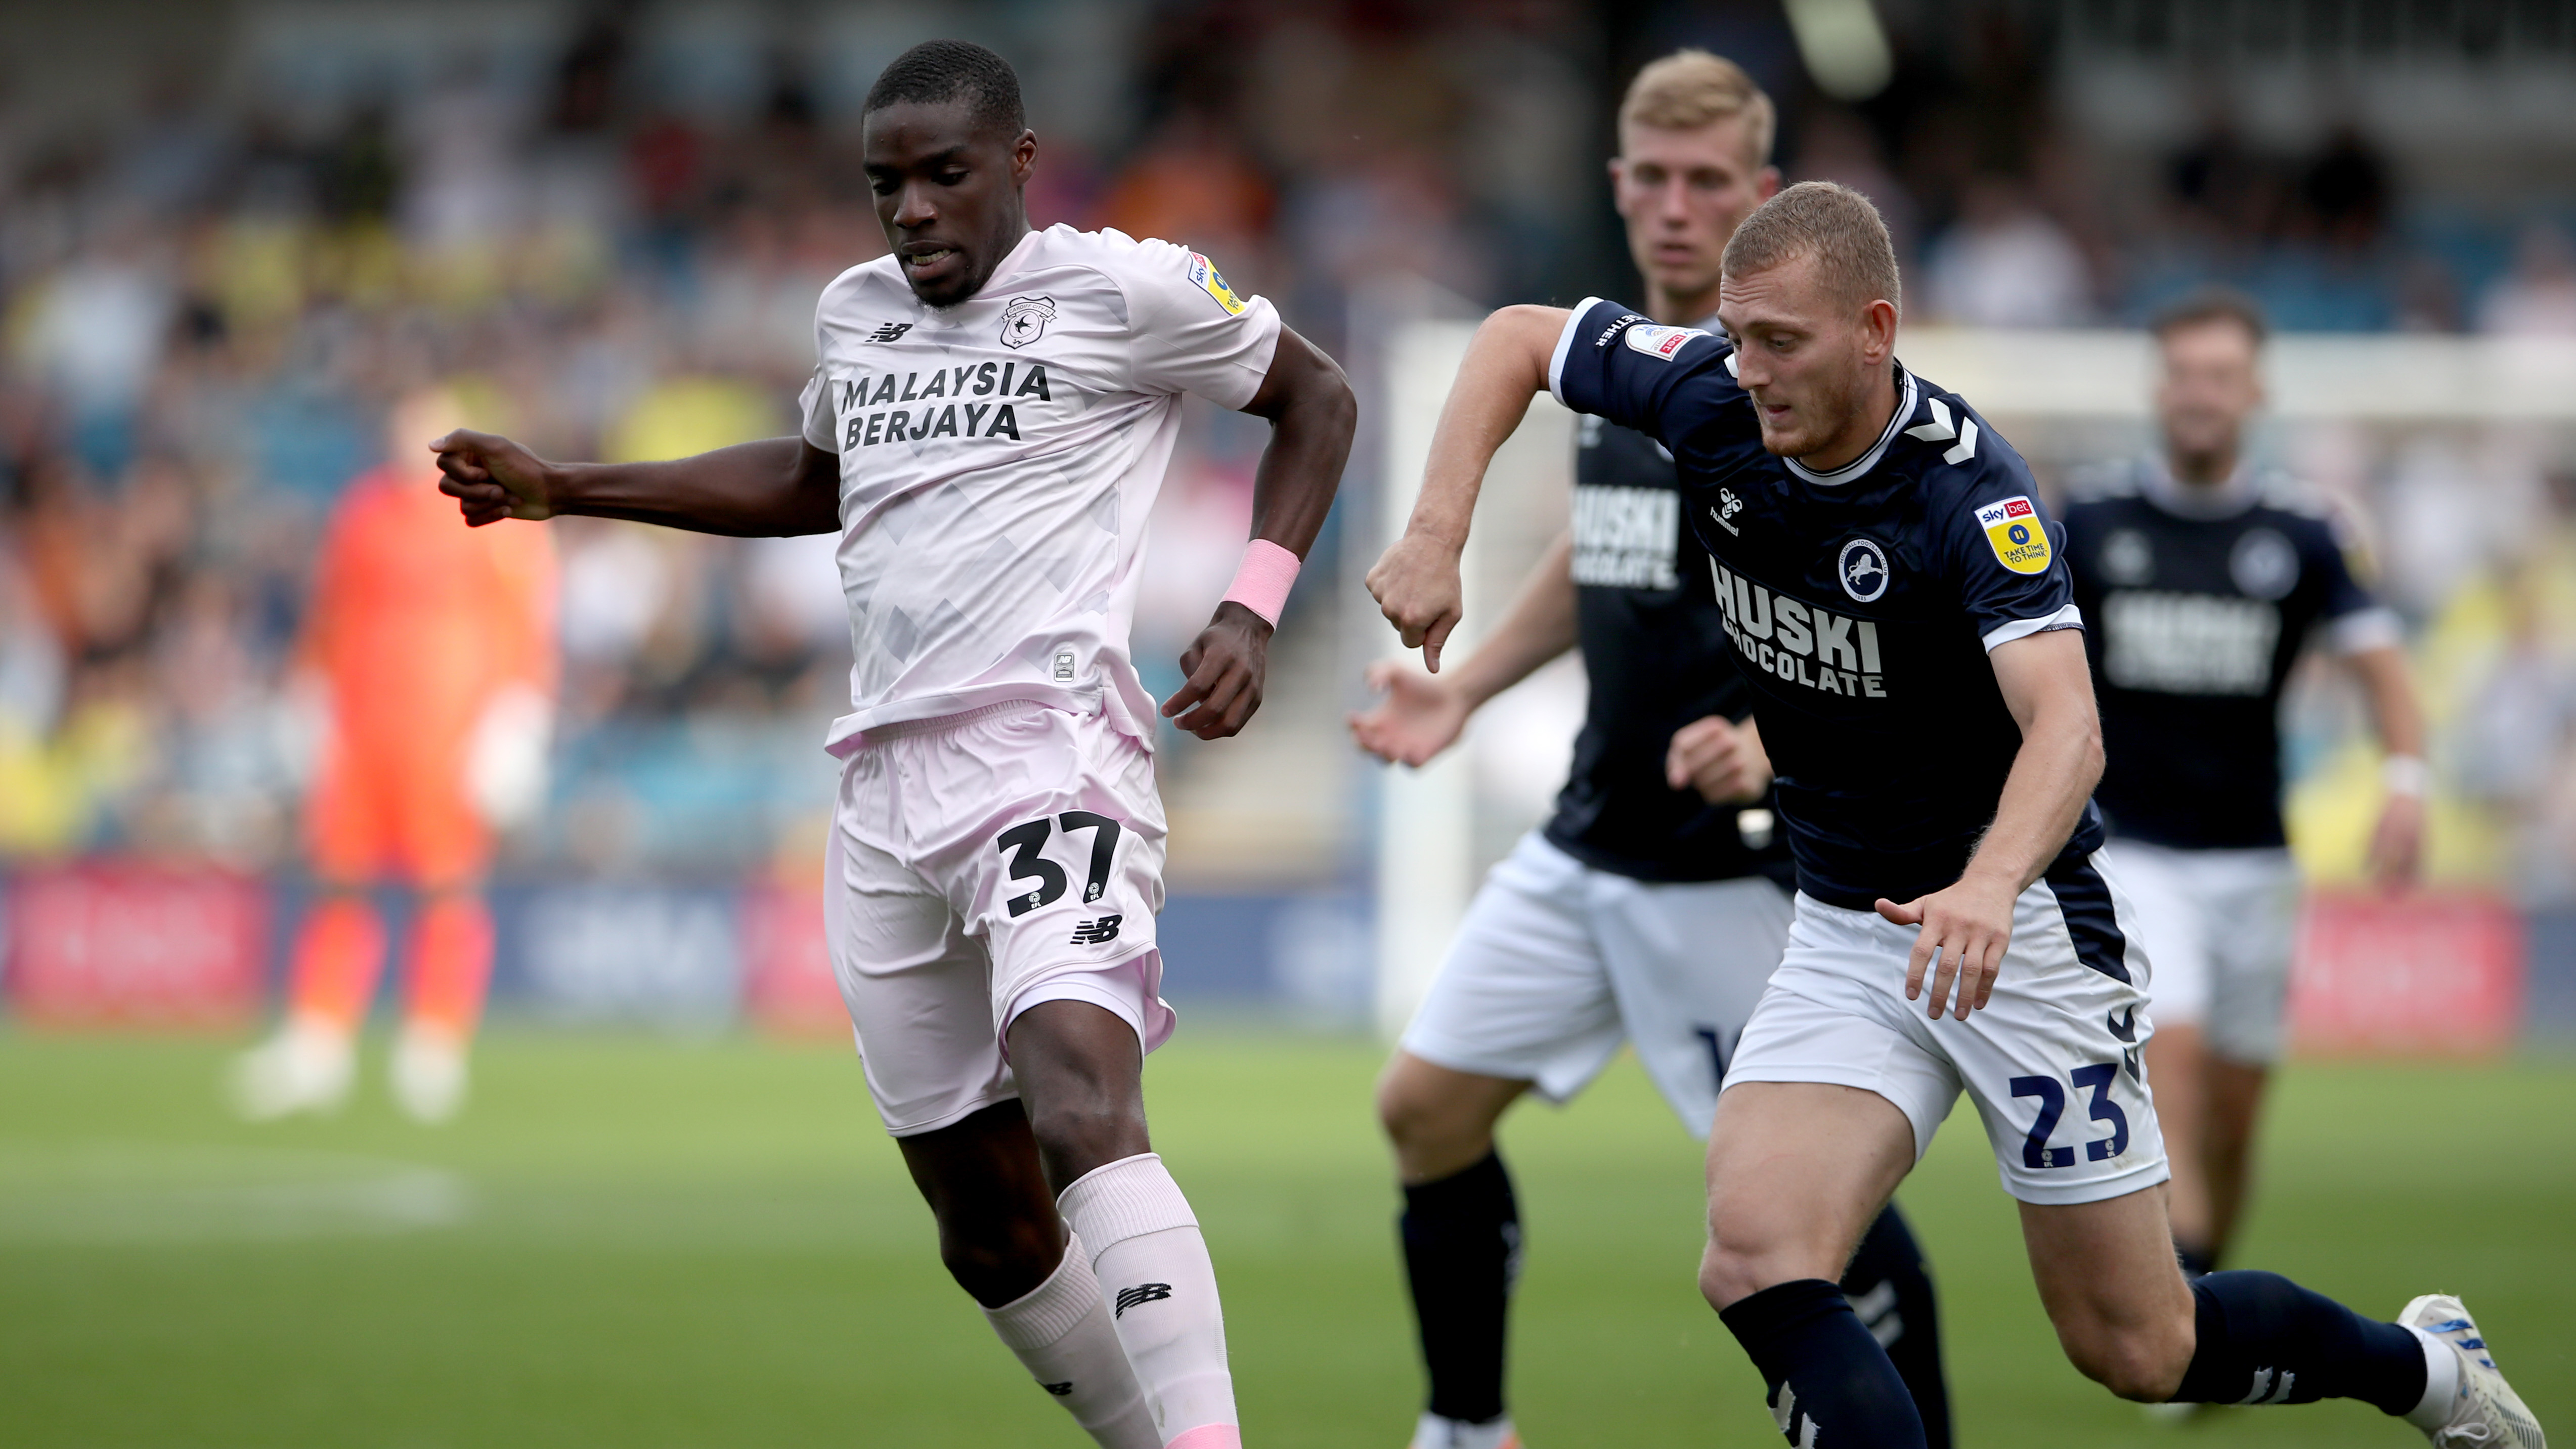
999 1235
1080 1069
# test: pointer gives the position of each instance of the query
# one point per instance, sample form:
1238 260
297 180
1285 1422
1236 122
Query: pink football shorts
980 864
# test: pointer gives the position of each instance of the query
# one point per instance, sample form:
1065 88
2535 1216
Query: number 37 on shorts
1038 881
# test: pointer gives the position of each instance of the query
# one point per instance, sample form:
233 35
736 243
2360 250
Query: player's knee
998 1259
1410 1117
1084 1130
2142 1362
1728 1271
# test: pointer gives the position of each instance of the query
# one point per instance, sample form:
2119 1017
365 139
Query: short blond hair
1830 222
1689 89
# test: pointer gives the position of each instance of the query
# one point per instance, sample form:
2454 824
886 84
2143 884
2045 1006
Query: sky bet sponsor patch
2012 526
1661 342
1204 273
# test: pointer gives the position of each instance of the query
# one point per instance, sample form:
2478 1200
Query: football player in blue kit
1653 906
2203 577
1919 678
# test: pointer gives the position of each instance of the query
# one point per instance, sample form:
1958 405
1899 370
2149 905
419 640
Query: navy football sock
1831 1384
2262 1339
1462 1238
1891 1290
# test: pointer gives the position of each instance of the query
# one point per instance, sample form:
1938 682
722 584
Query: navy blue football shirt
2200 601
1655 658
1860 603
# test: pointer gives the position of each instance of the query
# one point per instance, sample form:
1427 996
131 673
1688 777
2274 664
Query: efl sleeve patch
2013 529
1204 275
1660 343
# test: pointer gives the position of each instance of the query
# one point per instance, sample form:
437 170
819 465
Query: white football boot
308 1066
428 1075
2485 1412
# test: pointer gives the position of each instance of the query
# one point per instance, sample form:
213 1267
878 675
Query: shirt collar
1906 401
1012 262
2242 490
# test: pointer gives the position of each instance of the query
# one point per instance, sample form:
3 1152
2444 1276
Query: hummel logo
1095 933
1940 430
2125 1025
1796 1425
2271 1386
890 332
1062 1390
1728 506
1141 1293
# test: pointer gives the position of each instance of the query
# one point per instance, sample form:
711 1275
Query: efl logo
2013 531
1661 343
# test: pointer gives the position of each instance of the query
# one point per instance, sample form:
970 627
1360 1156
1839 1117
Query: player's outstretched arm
770 488
1312 416
2049 690
1415 581
1424 714
2397 845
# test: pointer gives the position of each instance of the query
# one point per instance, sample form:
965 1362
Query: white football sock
1062 1332
1153 1265
1435 1432
2441 1382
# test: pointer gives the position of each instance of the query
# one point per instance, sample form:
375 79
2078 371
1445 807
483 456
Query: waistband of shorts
936 724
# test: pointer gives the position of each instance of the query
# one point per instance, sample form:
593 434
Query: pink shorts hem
1125 989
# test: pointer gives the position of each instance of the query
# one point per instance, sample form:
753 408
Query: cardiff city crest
1025 320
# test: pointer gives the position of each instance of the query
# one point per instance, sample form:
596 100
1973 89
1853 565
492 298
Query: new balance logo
890 332
1094 933
1941 430
1141 1293
1062 1391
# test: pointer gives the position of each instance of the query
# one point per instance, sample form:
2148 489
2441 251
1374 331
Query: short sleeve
2355 621
814 405
1192 333
2013 578
1613 363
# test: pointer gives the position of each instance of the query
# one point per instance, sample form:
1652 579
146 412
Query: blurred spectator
94 331
2345 192
2006 264
2538 298
1193 186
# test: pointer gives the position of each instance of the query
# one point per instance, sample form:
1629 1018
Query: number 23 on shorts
2097 1078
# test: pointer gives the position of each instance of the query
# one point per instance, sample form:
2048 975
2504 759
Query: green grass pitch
642 1243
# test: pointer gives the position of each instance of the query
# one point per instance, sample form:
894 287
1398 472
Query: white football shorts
2221 924
1556 963
978 865
2052 1060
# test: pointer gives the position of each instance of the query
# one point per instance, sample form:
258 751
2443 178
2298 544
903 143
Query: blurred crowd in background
606 227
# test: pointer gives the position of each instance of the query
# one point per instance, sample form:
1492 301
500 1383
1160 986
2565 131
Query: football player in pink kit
992 415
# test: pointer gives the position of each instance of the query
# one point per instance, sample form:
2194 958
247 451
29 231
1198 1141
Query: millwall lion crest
1025 320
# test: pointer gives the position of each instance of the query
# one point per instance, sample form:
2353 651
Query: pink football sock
1153 1266
1064 1335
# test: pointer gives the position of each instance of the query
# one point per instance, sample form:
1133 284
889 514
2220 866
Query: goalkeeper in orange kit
429 658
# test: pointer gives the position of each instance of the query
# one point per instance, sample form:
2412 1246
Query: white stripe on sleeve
2376 627
1564 340
2068 617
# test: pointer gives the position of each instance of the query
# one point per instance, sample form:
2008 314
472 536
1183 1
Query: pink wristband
1262 583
